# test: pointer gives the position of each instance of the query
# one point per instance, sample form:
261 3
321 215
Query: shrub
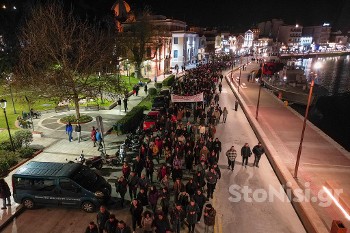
5 145
130 121
7 160
25 152
158 85
146 103
169 80
152 91
72 119
22 138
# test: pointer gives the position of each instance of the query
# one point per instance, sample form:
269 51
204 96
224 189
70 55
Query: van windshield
85 178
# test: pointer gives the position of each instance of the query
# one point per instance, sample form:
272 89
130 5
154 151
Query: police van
59 184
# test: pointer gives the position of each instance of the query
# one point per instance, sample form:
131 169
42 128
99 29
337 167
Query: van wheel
28 203
88 207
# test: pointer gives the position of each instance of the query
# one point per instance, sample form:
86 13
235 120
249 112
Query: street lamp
260 86
9 80
239 80
316 67
3 104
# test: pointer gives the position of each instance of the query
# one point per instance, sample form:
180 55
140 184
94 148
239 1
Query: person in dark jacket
111 224
102 217
133 184
258 150
69 131
192 211
177 217
92 228
217 148
209 218
123 228
5 193
161 223
137 166
200 200
153 196
245 153
142 197
121 187
136 213
149 166
191 187
177 173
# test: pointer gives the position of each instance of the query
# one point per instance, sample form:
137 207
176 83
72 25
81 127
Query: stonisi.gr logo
283 193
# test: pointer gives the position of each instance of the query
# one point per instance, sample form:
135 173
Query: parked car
159 103
59 184
150 120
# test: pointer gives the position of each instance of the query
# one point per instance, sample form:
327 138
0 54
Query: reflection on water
334 75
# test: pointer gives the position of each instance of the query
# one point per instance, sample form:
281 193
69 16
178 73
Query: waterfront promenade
323 161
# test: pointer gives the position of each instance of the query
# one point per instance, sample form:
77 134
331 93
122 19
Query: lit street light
9 80
260 86
3 104
316 67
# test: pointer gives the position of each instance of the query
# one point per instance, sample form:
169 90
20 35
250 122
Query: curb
307 214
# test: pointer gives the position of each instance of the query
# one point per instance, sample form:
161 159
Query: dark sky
237 14
244 13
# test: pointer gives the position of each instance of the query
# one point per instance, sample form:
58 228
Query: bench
95 107
62 108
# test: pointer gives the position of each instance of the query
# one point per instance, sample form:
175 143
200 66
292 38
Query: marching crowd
174 175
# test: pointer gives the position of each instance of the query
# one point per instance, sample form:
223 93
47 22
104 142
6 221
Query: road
242 216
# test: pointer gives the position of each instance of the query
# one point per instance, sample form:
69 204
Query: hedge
169 80
7 160
152 91
73 119
158 85
130 121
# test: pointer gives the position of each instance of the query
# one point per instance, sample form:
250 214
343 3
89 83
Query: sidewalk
323 161
56 147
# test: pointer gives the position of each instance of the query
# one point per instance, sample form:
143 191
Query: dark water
332 112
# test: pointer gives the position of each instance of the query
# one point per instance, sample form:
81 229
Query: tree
61 54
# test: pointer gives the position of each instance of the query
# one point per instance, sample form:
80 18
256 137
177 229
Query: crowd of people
174 175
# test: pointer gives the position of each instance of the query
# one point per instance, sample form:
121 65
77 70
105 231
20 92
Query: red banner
187 99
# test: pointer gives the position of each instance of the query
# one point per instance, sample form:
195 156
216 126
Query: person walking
102 217
220 88
91 228
211 178
99 139
236 105
121 186
161 223
111 224
136 213
192 210
93 135
119 102
122 227
209 218
146 88
5 194
78 131
231 155
125 101
200 200
147 222
245 153
177 216
224 114
69 131
217 148
258 150
133 184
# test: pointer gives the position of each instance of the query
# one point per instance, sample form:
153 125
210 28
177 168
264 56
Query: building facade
290 35
320 34
185 46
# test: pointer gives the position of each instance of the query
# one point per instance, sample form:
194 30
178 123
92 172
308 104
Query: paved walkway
322 159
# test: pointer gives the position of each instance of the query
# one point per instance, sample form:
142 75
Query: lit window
176 40
176 53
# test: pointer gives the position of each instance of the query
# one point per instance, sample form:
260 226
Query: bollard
236 105
338 227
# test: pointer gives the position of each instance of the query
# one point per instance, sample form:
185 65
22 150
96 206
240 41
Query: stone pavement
323 161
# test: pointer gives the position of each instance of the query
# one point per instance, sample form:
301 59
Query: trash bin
338 227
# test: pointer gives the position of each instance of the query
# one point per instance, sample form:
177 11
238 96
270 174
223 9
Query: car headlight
99 194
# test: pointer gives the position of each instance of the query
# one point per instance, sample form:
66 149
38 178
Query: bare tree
60 54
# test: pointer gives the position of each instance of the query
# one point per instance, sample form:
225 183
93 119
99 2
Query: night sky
241 14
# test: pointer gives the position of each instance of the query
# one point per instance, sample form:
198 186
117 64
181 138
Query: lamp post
316 66
9 80
3 104
260 85
30 110
239 80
